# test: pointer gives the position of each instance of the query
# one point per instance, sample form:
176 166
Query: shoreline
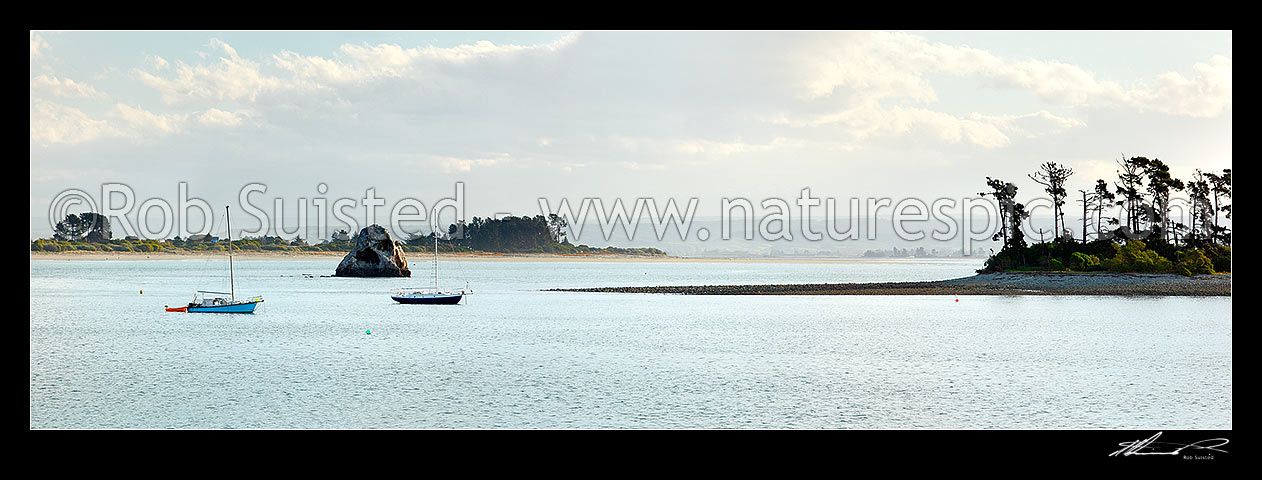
519 257
1025 283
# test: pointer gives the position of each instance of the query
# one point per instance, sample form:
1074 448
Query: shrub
1194 263
1220 256
998 262
1135 257
1083 262
48 246
1055 264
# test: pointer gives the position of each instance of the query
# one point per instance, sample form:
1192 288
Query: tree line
538 234
1142 237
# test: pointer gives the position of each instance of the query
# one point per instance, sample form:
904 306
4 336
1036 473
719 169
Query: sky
516 116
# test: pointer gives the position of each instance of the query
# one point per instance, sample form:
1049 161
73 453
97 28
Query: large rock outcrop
375 255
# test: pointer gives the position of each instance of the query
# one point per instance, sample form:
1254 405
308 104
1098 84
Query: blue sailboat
221 302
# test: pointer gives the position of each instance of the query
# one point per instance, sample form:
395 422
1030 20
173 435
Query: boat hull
429 299
233 308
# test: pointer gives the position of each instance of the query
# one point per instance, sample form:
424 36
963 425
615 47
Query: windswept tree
1011 213
1202 209
1052 177
1088 202
1130 181
1003 193
1102 196
1016 215
558 226
1220 189
1160 184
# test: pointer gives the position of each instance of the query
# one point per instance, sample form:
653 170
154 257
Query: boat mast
435 229
232 281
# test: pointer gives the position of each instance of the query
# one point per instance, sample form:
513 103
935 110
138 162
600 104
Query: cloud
217 117
873 68
351 66
141 121
881 84
986 131
159 63
676 96
730 148
1037 124
38 45
453 164
706 113
1206 95
52 123
875 121
231 78
641 166
64 87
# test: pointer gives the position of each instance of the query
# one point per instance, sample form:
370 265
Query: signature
1152 446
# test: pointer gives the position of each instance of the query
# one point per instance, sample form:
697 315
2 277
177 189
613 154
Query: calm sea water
338 353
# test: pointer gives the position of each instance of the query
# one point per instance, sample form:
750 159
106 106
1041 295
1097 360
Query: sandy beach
1033 283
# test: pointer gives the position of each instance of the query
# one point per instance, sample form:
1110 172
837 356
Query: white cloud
217 117
986 131
869 64
355 64
159 63
142 122
881 66
1037 124
730 148
231 78
641 166
453 164
867 83
38 45
53 123
974 129
64 87
597 104
1206 95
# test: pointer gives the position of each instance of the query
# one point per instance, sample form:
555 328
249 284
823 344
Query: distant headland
90 234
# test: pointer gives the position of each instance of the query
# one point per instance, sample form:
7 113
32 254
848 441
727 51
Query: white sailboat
416 296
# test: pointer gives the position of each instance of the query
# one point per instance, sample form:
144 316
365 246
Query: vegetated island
1131 253
90 234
